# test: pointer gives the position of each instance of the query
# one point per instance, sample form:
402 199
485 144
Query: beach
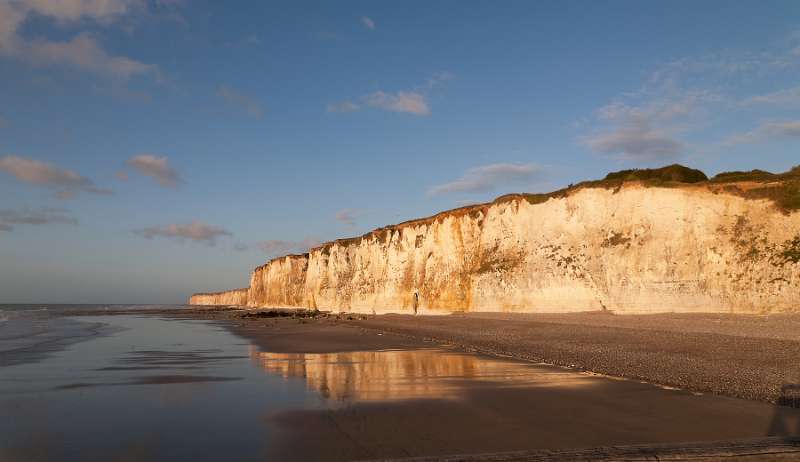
294 385
752 357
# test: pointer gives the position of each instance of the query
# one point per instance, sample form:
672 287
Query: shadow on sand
784 421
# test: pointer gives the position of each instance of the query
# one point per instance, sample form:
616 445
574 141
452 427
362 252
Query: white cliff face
633 249
236 297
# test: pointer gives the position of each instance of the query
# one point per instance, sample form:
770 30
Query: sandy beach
744 356
750 357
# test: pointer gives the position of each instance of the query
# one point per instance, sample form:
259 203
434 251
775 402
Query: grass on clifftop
665 176
782 188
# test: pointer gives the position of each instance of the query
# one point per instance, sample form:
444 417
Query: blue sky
153 148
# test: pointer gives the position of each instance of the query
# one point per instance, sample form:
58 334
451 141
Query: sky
150 149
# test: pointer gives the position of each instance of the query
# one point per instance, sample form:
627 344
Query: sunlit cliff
641 241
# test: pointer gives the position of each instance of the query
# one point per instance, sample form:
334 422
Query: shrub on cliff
672 173
735 176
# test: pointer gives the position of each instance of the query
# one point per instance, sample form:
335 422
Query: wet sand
744 356
491 416
750 357
405 385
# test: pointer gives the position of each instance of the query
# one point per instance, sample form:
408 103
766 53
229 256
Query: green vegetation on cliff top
671 173
782 188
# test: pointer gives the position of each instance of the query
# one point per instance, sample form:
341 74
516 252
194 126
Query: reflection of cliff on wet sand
407 374
400 403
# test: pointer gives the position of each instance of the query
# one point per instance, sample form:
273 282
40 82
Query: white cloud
414 101
195 231
155 167
47 175
765 132
647 131
241 101
348 216
368 22
275 248
636 139
41 216
344 106
787 97
488 178
402 101
82 52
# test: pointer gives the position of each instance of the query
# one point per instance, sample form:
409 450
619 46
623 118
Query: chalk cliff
229 297
641 241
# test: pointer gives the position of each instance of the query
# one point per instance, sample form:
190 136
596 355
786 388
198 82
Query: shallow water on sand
155 389
151 388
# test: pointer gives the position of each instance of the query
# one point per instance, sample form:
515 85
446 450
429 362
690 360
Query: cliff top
782 188
216 293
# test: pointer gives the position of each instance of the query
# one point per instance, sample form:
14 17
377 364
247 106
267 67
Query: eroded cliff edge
648 241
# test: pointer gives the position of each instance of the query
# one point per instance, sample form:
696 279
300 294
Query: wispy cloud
84 53
240 246
275 248
81 52
727 65
41 216
348 216
767 131
411 102
343 106
155 167
249 40
195 231
368 22
786 97
665 117
38 173
239 100
487 178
